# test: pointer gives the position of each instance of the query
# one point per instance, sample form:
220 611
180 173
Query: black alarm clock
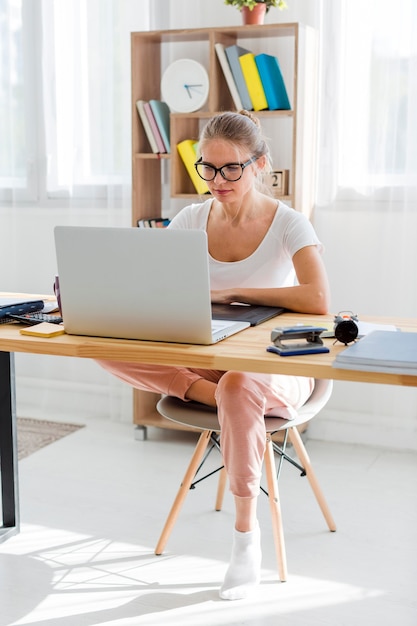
345 327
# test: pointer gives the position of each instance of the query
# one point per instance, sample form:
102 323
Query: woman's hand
222 296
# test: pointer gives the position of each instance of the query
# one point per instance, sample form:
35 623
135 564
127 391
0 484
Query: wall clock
185 86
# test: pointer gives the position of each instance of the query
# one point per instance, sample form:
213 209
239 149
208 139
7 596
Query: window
65 97
368 99
16 144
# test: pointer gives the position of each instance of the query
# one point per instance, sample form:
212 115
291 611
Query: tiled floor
93 505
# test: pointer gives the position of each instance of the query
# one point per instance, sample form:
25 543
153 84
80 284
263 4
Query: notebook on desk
136 283
381 351
252 313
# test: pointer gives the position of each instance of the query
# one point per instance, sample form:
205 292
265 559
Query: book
146 125
253 81
272 82
233 54
227 72
187 152
161 114
381 351
154 127
154 222
17 306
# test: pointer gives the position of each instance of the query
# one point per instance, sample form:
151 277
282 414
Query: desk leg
8 449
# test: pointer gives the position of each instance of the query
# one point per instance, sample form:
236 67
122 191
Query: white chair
204 418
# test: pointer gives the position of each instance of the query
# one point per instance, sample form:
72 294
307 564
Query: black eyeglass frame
219 169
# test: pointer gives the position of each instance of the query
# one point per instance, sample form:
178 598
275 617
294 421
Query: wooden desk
245 351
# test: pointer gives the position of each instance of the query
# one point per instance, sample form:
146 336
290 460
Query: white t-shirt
271 264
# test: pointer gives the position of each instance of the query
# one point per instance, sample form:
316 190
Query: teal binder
272 81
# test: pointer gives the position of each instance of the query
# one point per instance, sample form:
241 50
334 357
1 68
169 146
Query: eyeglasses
231 171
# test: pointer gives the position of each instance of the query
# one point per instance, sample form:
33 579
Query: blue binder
16 306
272 81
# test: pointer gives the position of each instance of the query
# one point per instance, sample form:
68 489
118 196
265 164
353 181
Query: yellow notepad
45 329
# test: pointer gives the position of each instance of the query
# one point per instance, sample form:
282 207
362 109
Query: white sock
244 570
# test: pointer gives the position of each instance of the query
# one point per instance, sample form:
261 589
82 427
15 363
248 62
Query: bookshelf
291 133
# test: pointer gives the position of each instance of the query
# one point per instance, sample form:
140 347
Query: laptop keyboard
217 325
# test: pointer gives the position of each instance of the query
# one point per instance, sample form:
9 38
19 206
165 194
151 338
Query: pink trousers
243 399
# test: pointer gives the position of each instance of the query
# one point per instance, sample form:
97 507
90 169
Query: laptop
137 283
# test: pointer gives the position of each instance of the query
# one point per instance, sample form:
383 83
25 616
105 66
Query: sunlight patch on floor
88 579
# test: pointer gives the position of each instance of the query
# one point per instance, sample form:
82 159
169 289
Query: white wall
359 250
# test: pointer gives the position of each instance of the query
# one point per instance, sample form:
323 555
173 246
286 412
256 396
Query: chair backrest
204 417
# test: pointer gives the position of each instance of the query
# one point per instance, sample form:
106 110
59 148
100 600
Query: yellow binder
186 150
253 81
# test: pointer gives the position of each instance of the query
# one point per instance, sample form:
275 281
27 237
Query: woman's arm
311 295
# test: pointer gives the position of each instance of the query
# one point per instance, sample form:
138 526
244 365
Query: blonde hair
243 130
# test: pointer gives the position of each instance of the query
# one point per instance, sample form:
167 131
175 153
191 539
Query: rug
34 434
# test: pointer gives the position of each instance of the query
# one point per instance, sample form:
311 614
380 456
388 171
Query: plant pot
256 16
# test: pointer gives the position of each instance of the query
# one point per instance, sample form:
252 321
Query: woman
260 252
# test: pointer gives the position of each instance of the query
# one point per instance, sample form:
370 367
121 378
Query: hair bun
252 117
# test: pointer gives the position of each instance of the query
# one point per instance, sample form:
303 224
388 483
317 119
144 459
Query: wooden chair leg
183 490
221 489
273 495
305 461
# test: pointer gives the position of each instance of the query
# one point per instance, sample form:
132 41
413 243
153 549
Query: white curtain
369 92
367 153
366 210
65 99
65 158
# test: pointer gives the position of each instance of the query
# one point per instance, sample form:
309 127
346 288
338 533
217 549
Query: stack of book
154 222
255 80
154 116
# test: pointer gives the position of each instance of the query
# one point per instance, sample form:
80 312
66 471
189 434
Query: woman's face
219 152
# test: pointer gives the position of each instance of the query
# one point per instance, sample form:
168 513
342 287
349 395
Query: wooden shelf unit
292 134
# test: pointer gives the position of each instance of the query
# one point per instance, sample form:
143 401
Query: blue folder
272 81
17 306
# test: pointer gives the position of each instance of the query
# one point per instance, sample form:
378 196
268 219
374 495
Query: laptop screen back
135 283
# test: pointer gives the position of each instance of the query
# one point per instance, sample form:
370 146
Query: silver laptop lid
135 283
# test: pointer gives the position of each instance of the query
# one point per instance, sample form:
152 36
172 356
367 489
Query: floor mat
34 434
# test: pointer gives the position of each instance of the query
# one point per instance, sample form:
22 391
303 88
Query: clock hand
189 87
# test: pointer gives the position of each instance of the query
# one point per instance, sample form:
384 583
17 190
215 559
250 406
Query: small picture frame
277 181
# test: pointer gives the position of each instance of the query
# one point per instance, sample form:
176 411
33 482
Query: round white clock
185 86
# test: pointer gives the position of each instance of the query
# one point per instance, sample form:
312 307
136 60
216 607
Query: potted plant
253 11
